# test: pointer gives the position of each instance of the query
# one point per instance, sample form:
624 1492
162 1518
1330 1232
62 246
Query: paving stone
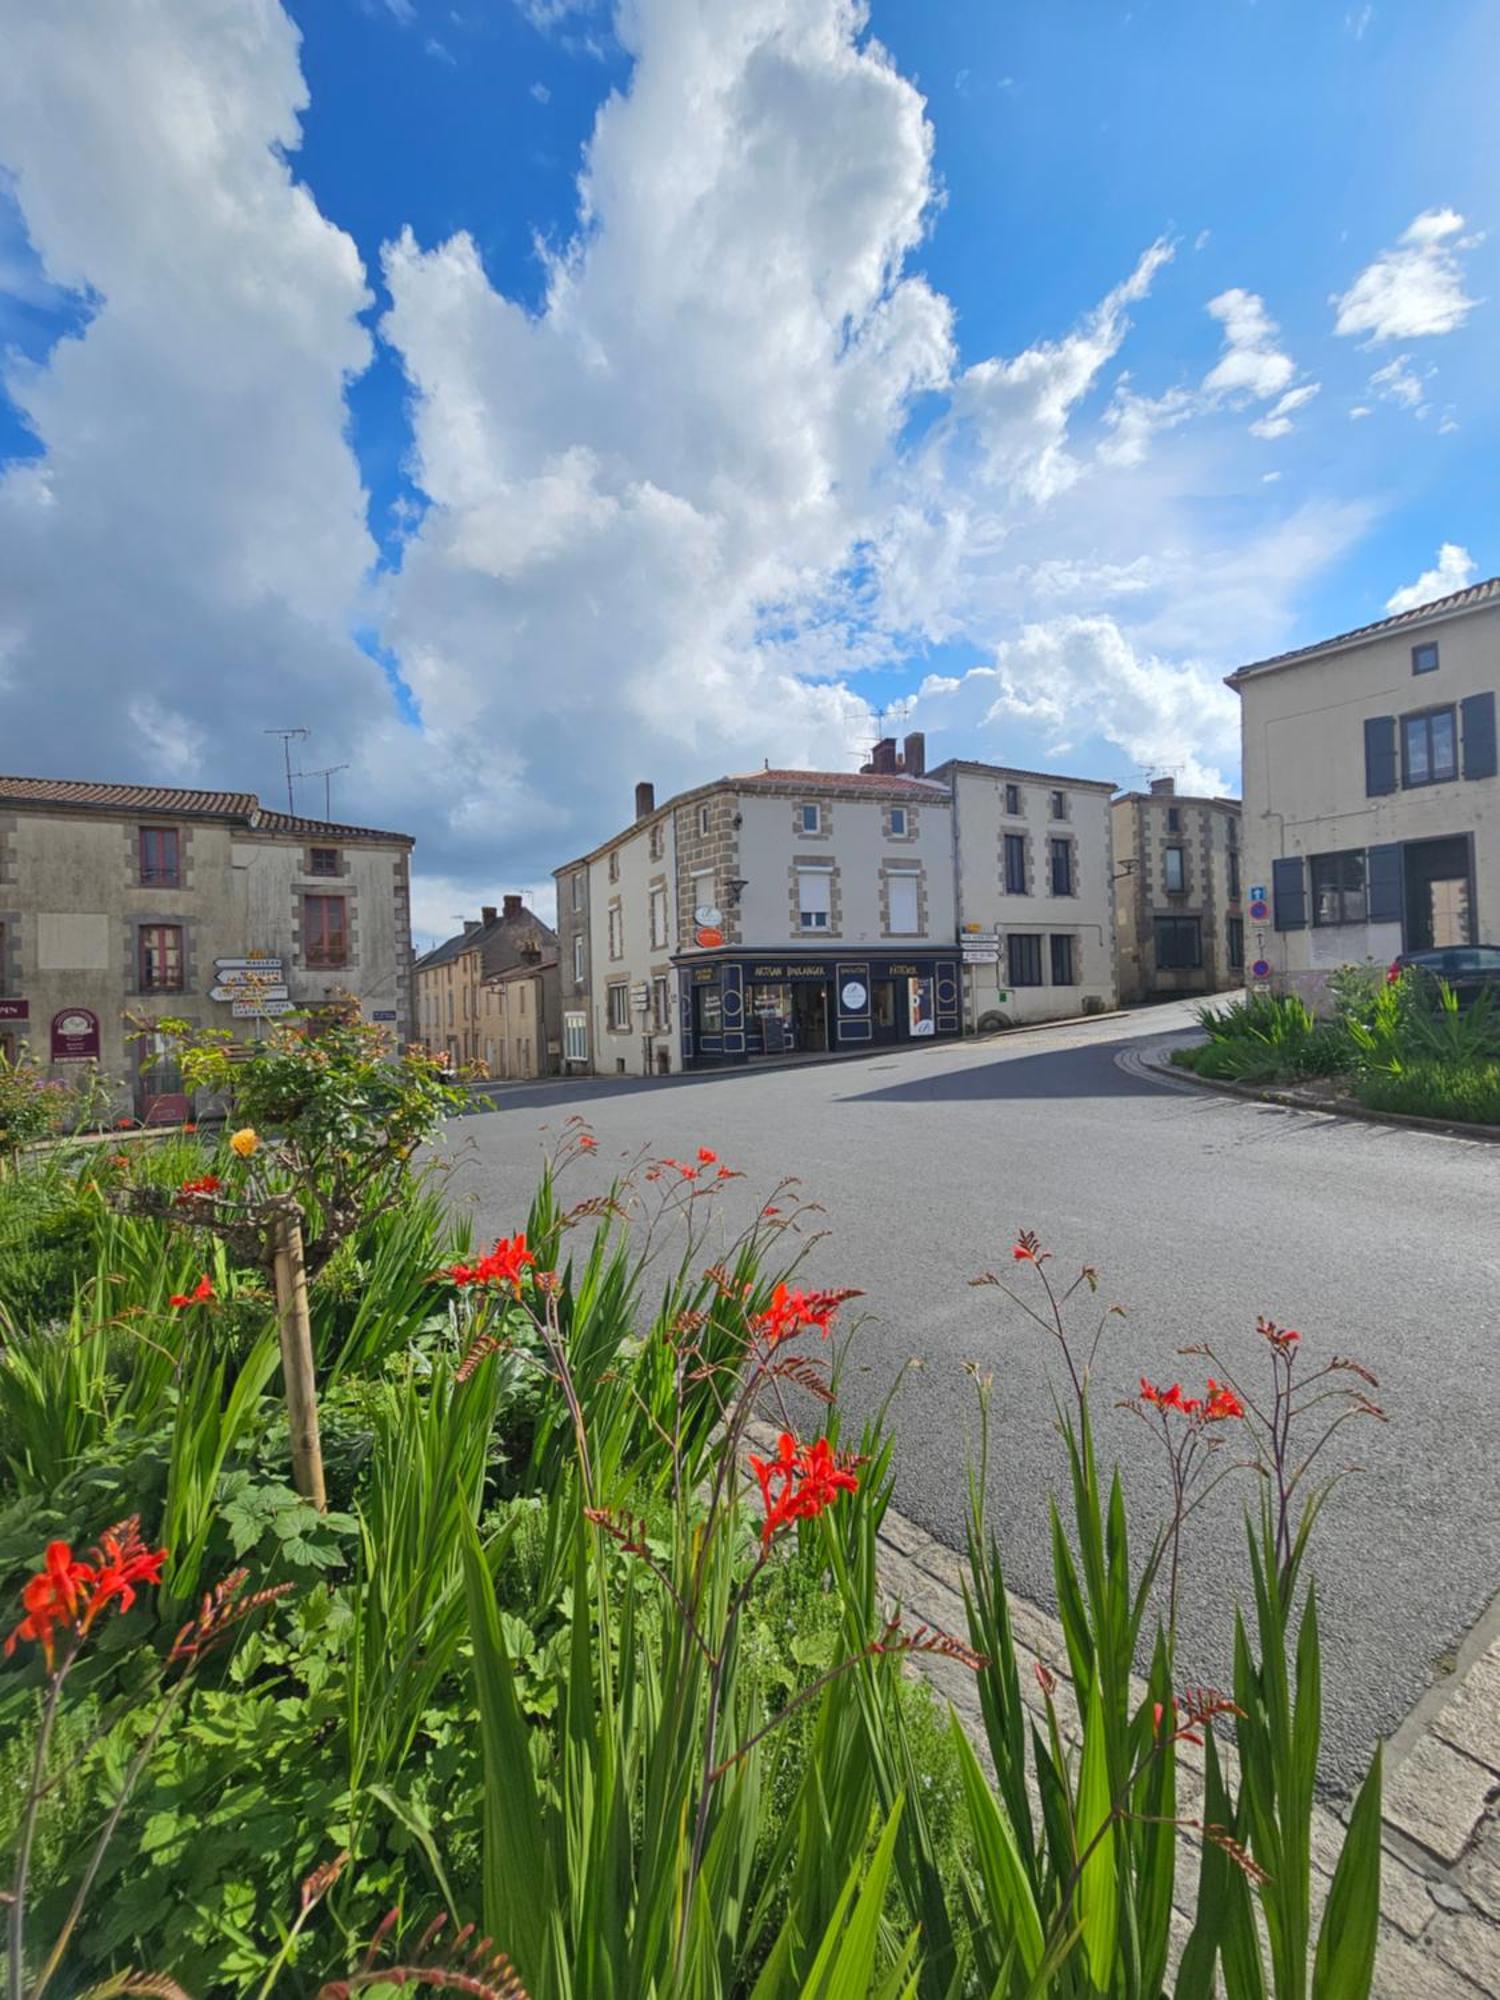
1437 1797
1406 1971
1479 1875
1407 1898
1470 1720
1471 1945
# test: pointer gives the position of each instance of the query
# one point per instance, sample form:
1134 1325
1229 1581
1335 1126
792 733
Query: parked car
1470 969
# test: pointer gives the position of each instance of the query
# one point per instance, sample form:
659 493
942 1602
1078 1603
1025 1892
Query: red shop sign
75 1034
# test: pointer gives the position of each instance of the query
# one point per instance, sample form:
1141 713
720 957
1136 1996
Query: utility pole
327 773
286 736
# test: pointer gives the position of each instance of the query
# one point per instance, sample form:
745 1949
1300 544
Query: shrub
1466 1092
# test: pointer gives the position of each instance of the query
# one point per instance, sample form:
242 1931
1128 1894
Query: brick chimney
487 914
884 759
645 799
471 924
914 754
512 907
1163 788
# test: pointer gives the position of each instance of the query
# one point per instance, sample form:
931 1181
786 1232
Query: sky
528 397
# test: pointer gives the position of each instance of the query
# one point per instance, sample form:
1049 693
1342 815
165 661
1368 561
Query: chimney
645 799
1163 788
471 924
884 759
512 907
914 759
487 914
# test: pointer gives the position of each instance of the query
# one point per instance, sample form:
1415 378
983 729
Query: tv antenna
286 736
327 773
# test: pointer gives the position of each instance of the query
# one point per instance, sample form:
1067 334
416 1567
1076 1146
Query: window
614 865
814 898
898 822
325 933
703 894
616 931
1062 869
661 1004
1023 954
1429 747
160 862
810 819
1176 872
1234 872
658 917
902 892
322 861
705 818
1015 864
655 842
1338 888
1236 943
575 1036
1059 804
1424 659
619 1007
1064 962
161 958
578 950
1179 944
578 890
1013 800
1174 819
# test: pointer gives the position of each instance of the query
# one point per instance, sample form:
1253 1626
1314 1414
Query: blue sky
850 387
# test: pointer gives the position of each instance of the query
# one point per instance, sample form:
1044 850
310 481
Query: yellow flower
245 1142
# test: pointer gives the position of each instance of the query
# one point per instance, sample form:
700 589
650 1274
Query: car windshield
1459 958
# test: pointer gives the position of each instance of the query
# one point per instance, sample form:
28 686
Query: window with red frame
325 933
323 861
161 958
160 856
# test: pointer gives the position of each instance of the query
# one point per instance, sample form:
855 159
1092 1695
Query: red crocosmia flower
706 1156
69 1593
727 1174
791 1313
202 1294
1022 1255
587 1143
799 1482
770 1211
190 1191
1221 1404
504 1265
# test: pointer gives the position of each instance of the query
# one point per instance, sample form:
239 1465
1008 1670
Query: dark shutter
1383 883
1290 907
1380 754
1479 736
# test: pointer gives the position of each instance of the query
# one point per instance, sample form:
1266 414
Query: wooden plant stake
290 1275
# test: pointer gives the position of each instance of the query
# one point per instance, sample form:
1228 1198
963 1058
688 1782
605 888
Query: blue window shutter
1383 883
1290 905
1479 736
1380 754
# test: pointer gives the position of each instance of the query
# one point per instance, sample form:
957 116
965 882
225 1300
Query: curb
1290 1099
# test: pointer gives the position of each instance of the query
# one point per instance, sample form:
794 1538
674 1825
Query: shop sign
787 972
709 939
75 1035
707 915
901 971
15 1010
705 975
853 995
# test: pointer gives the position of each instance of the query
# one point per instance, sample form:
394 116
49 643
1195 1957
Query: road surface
1199 1212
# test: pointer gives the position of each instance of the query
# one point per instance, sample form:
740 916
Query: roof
1033 777
527 969
494 942
890 784
244 808
1179 799
1475 598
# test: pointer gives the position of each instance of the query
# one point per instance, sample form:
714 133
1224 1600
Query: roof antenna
286 736
327 773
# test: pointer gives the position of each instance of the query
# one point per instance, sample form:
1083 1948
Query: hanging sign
75 1035
708 915
709 938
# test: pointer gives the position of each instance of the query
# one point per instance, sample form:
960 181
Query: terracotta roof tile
179 802
896 782
1471 599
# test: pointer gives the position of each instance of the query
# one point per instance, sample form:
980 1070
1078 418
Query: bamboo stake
297 1352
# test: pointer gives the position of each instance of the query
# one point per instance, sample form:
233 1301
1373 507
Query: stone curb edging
1440 1874
1289 1098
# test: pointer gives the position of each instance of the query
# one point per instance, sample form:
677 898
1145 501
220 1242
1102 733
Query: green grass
1467 1093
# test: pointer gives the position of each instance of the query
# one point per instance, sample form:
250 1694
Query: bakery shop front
739 1008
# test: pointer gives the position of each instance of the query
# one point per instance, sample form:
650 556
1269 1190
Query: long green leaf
1345 1965
1098 1883
998 1858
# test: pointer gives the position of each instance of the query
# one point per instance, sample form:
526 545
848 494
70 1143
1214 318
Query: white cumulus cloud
1453 570
1415 288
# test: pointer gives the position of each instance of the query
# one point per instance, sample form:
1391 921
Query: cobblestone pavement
1440 1877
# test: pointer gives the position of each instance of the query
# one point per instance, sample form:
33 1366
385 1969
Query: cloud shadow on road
1090 1071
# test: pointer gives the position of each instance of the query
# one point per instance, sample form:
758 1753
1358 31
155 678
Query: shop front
744 1008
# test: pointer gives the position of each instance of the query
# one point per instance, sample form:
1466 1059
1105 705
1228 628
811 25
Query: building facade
448 982
1372 800
1178 879
777 913
1033 897
520 1032
154 901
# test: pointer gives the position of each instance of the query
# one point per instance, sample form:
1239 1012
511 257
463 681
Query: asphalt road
1198 1212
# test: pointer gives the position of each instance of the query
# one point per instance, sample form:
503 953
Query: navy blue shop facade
739 1007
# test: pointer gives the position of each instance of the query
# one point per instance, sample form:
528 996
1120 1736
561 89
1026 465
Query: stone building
1179 911
158 901
449 981
519 1022
1372 792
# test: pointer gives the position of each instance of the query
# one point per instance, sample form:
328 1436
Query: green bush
1465 1092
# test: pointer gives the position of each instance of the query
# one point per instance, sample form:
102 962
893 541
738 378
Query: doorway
1439 893
883 1004
810 1015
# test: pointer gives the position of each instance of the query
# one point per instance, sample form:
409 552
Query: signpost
259 1010
257 992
